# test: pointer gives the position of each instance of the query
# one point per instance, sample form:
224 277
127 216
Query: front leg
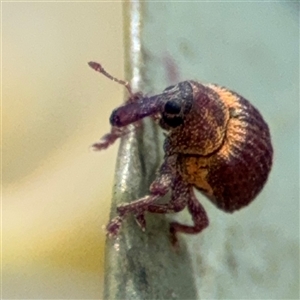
160 187
109 138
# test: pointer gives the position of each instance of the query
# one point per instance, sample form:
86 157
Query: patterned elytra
216 141
237 170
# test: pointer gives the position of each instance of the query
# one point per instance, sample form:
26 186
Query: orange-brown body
231 168
216 141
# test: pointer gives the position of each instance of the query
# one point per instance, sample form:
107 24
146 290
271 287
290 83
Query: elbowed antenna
98 68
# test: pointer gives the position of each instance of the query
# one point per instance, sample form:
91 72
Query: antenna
97 67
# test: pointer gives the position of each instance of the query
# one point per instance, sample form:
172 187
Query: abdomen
241 167
232 176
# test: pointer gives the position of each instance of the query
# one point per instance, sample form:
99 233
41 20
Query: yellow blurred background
55 191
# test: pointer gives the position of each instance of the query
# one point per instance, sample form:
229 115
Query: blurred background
56 192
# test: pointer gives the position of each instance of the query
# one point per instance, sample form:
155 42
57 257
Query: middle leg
177 202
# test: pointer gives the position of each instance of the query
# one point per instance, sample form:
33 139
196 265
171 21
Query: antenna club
96 66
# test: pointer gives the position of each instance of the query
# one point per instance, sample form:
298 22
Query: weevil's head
171 105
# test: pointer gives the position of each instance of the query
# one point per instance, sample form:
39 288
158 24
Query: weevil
216 142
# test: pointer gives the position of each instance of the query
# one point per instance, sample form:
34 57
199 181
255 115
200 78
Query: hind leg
199 218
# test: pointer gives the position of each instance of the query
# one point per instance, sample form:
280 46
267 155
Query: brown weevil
216 141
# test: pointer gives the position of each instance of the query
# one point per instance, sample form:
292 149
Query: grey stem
142 265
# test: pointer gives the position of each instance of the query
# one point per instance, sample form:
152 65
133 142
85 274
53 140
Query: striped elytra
234 172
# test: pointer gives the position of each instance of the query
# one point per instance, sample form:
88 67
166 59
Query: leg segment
177 203
109 138
180 191
199 218
136 207
182 195
158 188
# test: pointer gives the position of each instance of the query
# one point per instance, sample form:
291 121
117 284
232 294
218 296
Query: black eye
172 107
173 121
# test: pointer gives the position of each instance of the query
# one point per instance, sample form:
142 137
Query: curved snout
134 111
